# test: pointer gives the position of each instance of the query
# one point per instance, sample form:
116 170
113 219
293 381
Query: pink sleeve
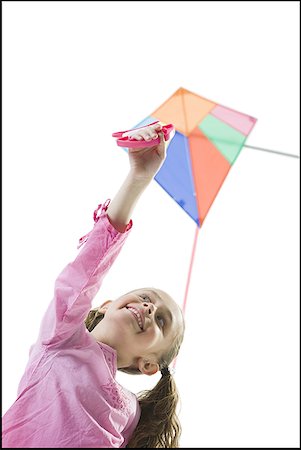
80 280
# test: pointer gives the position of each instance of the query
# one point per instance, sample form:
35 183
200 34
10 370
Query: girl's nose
150 308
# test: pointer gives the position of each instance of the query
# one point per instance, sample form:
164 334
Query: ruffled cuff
100 211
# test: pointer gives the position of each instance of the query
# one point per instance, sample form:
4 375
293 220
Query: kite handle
129 142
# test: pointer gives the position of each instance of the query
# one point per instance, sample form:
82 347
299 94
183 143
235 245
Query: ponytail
159 426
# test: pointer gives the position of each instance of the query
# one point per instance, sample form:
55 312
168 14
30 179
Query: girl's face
141 326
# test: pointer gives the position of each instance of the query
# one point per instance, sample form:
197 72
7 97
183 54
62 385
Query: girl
68 395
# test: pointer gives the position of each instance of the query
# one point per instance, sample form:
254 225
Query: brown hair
159 425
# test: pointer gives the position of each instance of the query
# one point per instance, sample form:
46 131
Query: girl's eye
145 297
161 319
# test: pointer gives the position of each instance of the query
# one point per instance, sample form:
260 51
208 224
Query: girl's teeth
136 315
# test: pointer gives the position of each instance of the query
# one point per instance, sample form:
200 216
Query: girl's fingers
150 132
136 136
147 133
150 135
155 128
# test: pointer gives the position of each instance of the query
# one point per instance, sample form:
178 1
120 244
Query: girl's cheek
151 333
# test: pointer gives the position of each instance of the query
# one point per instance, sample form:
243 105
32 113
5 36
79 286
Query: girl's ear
102 309
148 367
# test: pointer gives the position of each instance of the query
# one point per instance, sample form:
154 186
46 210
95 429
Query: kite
208 139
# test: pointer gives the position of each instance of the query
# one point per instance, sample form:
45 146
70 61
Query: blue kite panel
175 176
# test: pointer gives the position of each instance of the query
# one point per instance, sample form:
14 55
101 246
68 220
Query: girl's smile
137 316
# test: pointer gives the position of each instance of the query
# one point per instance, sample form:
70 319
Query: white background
74 72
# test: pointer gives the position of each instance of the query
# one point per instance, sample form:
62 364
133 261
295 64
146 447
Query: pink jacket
68 395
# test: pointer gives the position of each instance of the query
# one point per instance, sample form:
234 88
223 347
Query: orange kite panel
184 109
209 169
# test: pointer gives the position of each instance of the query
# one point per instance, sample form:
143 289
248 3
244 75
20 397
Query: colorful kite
207 141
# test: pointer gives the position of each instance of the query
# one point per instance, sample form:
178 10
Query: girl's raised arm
144 164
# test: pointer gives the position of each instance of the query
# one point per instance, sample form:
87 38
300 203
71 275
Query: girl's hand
146 162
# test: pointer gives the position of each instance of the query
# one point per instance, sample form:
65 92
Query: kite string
188 278
190 269
271 151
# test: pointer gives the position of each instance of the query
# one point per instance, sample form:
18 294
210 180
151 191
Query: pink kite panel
241 122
